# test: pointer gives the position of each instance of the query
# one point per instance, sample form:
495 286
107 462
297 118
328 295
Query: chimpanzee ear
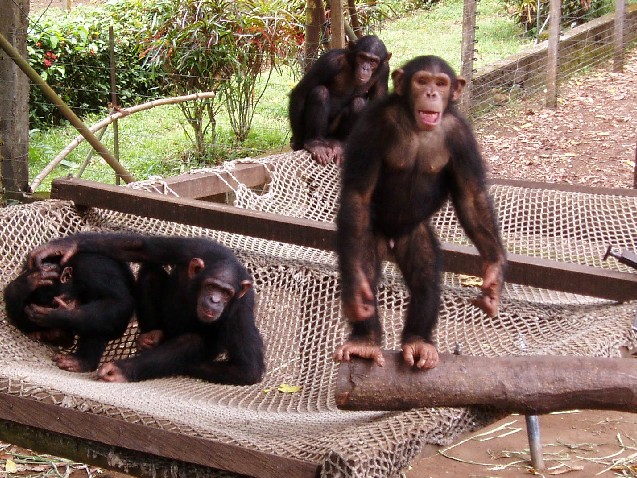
388 57
351 45
195 267
66 275
457 92
397 77
245 287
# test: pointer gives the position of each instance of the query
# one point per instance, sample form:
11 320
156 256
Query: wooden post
468 51
620 16
14 103
337 23
528 385
314 19
635 170
553 47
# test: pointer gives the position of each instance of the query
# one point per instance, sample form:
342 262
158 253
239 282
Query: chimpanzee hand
151 339
47 274
63 248
361 307
492 282
361 349
39 314
420 353
326 151
110 372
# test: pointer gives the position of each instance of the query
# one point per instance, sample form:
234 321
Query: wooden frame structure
93 440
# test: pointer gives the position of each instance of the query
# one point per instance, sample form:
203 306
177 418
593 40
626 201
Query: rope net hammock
292 412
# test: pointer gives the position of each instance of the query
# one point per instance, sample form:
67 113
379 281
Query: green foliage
574 12
264 36
70 51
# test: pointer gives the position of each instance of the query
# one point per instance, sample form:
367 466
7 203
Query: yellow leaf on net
10 466
285 388
469 281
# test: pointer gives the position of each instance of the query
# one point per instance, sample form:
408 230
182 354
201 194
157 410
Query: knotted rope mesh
299 317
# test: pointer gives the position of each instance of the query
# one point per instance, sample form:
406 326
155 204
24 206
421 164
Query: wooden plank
523 384
146 439
206 184
532 271
571 188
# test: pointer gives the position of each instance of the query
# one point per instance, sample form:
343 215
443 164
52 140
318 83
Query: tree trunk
14 101
527 385
315 19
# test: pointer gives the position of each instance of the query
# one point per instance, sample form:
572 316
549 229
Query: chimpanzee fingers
421 354
363 350
37 313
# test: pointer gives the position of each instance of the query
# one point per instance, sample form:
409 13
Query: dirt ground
589 139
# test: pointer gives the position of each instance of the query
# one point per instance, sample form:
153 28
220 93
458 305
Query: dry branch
528 385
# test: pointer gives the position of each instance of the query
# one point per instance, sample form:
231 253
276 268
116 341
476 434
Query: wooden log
528 385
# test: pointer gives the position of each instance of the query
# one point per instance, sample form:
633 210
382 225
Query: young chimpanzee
329 98
406 156
190 317
91 297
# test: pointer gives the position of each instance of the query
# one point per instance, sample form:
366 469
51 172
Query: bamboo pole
108 120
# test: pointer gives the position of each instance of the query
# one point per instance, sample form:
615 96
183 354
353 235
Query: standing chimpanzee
188 318
91 298
330 97
406 156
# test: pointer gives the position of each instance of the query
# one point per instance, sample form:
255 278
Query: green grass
153 143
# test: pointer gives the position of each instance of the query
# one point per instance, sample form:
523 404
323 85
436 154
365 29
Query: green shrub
71 52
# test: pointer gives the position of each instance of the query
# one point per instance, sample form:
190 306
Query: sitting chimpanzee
188 317
329 98
91 297
406 156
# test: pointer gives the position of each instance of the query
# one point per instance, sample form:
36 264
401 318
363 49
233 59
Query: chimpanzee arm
475 211
354 222
127 247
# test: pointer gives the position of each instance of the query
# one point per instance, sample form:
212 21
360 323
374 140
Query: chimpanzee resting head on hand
196 320
326 103
90 297
407 154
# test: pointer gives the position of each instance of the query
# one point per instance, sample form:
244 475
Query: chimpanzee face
366 65
428 92
214 297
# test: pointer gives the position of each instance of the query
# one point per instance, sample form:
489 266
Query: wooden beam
528 385
146 439
532 271
205 184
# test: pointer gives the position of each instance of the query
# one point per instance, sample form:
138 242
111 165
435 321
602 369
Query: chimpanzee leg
87 356
317 113
419 258
176 356
347 118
